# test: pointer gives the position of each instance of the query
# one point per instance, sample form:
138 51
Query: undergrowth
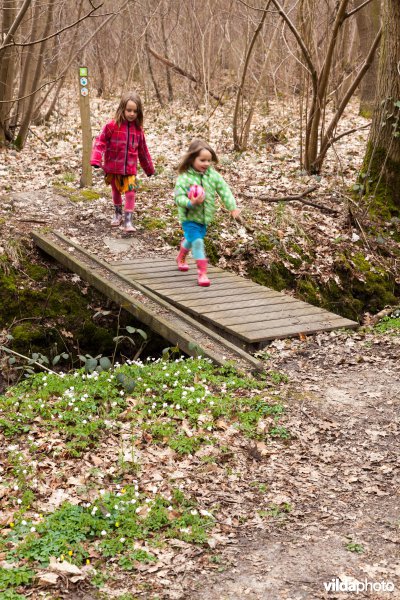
181 404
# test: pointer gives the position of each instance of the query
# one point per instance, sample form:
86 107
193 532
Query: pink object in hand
196 191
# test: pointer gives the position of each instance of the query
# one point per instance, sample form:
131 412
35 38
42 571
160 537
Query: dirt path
340 477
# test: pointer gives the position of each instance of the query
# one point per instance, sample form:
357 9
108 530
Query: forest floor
296 514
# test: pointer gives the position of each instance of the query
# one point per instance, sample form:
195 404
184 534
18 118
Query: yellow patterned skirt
123 183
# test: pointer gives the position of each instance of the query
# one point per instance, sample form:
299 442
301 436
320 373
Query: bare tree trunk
238 115
328 138
29 56
17 21
380 177
167 71
36 63
318 102
368 23
317 142
151 72
7 71
72 57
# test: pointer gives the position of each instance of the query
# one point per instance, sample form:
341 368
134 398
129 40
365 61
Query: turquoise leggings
197 248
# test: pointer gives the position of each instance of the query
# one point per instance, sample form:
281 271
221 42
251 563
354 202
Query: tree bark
368 23
7 71
34 66
380 176
239 124
167 71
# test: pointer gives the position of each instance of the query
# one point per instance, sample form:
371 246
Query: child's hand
235 213
196 194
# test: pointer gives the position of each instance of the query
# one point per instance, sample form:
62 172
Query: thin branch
179 70
32 93
85 43
255 7
290 197
238 138
303 47
31 221
5 349
52 35
299 198
352 12
335 139
38 137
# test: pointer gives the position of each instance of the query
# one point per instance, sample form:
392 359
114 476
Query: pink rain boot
181 259
202 278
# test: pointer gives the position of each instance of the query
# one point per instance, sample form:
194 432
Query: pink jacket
118 148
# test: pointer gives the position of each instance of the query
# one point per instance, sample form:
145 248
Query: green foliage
390 323
112 525
276 511
95 363
153 224
74 194
167 403
12 595
131 339
166 393
15 577
354 547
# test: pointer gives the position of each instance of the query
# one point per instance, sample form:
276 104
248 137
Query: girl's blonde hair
195 147
120 114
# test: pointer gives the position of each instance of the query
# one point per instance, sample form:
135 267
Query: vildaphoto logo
355 586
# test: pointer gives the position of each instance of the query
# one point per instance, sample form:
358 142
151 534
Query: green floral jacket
213 183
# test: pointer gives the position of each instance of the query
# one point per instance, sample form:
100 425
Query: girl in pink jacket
117 150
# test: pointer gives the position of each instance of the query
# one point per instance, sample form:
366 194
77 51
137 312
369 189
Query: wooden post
84 107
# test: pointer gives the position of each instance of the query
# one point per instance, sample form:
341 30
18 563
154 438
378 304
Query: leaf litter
284 510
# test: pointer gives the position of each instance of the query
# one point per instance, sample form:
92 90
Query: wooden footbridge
223 322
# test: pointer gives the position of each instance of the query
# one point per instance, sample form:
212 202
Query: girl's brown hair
120 114
195 147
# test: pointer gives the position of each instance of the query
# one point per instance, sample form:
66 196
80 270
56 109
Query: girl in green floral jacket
195 191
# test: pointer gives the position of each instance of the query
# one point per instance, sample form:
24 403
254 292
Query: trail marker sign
84 108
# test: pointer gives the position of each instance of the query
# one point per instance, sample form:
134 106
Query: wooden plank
244 312
209 294
265 335
179 277
164 286
196 302
235 305
142 261
255 332
286 322
157 323
259 308
150 273
267 317
248 301
252 305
